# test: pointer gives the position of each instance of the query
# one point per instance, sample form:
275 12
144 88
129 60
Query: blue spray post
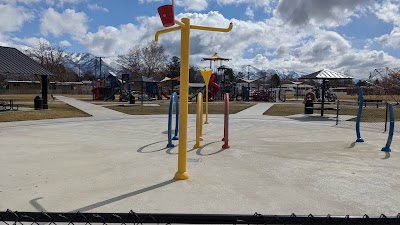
391 129
174 98
360 109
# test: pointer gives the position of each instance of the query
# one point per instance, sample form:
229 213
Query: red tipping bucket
167 16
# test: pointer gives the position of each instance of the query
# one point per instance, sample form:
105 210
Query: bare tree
52 57
154 59
150 60
131 61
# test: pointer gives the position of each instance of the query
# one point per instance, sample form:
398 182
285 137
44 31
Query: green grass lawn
370 113
213 108
56 110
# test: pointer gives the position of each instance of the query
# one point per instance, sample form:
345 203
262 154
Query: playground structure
215 88
168 19
215 58
107 88
383 84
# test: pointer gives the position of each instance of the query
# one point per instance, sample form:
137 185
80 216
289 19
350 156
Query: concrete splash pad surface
274 166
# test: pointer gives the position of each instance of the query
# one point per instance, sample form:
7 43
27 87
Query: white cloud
65 43
32 42
389 12
111 41
149 1
96 7
61 3
320 13
259 59
283 46
249 12
19 1
13 17
266 5
192 5
67 22
326 46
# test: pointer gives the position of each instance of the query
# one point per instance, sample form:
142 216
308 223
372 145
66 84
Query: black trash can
38 103
132 99
308 107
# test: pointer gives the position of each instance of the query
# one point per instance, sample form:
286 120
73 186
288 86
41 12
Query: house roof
326 74
12 61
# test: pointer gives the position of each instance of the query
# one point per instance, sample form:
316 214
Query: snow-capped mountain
254 73
82 63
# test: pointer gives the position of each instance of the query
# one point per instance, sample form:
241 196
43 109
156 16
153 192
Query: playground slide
212 84
112 95
197 92
165 95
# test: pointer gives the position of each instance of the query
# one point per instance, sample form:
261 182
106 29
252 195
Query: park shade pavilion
324 75
14 62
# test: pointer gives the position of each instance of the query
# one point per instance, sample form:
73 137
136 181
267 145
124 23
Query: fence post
360 109
391 129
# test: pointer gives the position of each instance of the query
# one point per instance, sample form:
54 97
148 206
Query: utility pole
100 73
248 83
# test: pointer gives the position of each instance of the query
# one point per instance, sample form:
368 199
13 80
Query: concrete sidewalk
255 110
92 109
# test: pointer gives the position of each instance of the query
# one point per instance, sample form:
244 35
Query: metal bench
377 102
326 106
8 105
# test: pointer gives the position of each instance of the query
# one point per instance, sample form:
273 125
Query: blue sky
354 36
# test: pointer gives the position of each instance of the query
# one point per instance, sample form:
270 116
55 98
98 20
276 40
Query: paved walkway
256 110
100 111
92 109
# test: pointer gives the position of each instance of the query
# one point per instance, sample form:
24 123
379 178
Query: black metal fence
10 217
374 116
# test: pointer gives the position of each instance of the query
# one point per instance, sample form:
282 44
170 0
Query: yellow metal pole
206 73
212 28
199 114
182 174
158 33
201 118
206 104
